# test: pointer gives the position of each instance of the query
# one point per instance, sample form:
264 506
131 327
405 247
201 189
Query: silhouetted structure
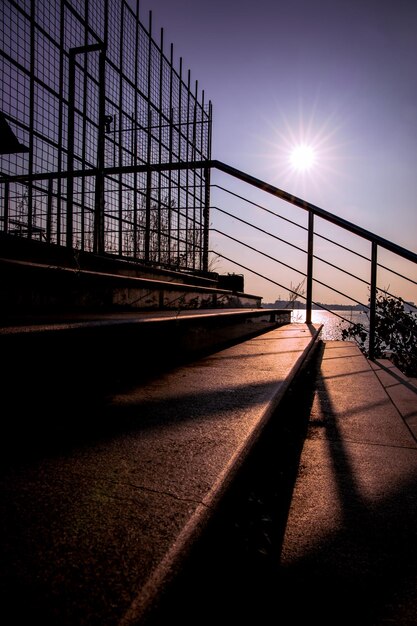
9 143
90 91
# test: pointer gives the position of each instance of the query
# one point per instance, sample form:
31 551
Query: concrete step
26 285
84 351
96 525
36 277
320 524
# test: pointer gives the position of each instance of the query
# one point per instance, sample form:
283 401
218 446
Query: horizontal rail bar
232 171
109 171
288 243
260 206
320 236
307 206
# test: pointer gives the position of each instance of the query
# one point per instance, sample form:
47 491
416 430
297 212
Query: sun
304 147
302 157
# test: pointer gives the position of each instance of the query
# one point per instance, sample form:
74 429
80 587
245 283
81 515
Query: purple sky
340 75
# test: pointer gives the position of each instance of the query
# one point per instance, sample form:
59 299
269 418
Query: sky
338 77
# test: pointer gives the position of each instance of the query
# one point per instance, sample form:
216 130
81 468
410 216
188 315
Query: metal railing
309 272
314 212
89 90
118 157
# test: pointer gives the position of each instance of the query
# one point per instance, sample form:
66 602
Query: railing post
372 301
309 295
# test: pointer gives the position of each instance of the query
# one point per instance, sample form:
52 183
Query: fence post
99 191
6 207
70 146
49 211
206 219
71 126
148 190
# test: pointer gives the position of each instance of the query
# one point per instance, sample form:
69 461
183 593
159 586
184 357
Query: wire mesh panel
97 102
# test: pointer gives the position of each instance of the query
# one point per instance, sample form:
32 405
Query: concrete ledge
95 349
96 528
29 286
83 357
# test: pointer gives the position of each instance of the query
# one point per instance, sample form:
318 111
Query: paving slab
350 549
91 532
401 389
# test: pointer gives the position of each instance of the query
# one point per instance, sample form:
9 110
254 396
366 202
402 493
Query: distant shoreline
297 305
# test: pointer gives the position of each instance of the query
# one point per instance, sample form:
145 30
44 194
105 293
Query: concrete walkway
93 528
92 531
350 550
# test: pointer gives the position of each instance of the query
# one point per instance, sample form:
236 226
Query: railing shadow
231 575
362 571
397 378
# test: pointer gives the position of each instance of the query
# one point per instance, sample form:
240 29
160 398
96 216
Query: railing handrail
319 212
240 175
292 245
311 209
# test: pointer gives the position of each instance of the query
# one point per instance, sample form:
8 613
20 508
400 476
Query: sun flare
302 157
303 149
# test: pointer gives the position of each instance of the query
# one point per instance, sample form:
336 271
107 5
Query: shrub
395 334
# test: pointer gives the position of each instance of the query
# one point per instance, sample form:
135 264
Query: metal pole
206 214
372 301
49 211
135 135
187 191
149 149
121 243
148 191
71 129
99 193
171 136
6 207
31 115
70 145
309 297
180 158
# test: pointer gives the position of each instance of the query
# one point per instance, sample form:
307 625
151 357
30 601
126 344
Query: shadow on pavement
363 574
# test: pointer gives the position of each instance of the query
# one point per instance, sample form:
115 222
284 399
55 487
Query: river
332 323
